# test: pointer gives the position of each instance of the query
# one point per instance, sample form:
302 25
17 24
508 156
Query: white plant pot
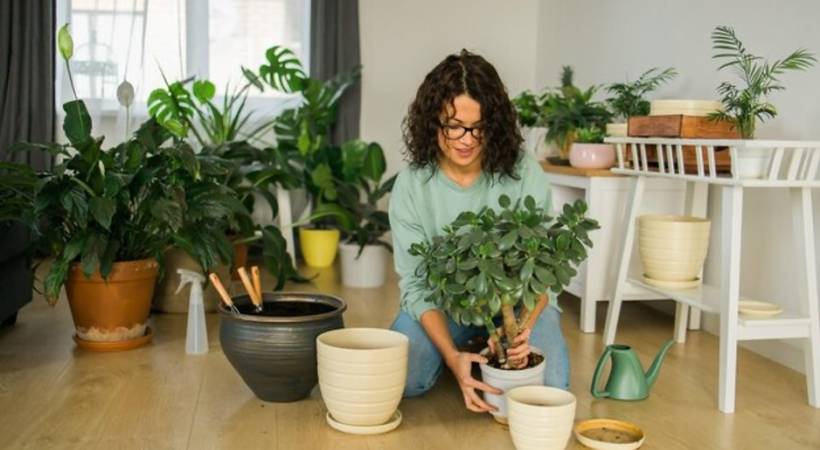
534 142
369 270
617 129
362 373
509 379
753 163
540 417
673 248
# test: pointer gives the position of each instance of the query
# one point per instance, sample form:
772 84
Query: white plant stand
789 165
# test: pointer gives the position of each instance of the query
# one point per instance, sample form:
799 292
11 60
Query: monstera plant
494 262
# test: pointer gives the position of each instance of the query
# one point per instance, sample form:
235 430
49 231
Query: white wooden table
607 196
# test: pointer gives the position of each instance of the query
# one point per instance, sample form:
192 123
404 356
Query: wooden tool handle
246 281
220 288
257 282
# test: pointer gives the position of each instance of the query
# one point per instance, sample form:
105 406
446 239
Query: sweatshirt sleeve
406 228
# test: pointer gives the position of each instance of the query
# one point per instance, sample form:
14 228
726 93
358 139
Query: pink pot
592 156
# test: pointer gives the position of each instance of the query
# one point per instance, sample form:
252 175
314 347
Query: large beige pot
167 300
673 248
362 373
540 417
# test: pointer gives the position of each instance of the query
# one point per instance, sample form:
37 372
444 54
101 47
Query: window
133 39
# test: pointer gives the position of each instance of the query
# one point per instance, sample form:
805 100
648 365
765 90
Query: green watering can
626 379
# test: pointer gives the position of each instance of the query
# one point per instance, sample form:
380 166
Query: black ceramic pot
275 352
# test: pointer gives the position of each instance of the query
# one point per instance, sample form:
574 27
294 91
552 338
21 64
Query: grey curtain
334 47
26 77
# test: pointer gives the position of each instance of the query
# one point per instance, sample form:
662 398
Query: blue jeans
425 364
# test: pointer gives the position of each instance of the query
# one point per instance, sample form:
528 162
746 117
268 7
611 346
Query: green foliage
628 97
562 111
360 187
512 256
745 106
590 135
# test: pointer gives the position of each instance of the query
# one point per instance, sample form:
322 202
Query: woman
464 151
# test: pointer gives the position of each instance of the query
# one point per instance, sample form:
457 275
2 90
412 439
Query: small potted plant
568 109
490 269
628 98
363 252
745 106
589 151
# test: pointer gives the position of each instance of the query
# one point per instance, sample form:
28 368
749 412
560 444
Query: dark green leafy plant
628 97
488 263
590 135
745 106
562 111
360 188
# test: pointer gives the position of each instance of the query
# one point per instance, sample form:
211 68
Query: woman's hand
517 355
461 365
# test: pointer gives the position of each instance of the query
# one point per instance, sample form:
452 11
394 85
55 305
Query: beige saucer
757 309
609 434
688 284
391 425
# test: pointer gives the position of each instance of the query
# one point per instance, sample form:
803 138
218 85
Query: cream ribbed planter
362 373
509 379
673 248
540 417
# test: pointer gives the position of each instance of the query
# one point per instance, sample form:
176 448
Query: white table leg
803 216
731 228
697 198
614 310
588 303
681 320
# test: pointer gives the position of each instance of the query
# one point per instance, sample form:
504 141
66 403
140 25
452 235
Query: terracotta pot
275 352
116 309
240 259
166 298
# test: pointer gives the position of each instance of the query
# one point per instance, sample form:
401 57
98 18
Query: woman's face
459 138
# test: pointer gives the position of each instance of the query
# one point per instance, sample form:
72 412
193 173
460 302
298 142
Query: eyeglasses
454 132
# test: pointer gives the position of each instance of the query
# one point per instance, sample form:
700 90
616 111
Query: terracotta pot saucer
115 346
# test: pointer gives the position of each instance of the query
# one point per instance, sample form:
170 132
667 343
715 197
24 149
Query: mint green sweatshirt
421 205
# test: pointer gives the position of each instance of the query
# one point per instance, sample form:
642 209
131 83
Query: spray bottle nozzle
188 276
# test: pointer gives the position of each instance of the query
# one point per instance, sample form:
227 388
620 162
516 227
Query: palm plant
492 262
628 97
745 106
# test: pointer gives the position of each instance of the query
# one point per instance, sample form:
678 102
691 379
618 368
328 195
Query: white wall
606 41
403 40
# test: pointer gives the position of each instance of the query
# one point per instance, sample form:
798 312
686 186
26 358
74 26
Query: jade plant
499 263
744 106
628 98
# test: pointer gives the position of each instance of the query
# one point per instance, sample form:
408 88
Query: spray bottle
196 340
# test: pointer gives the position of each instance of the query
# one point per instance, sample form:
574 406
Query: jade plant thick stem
494 262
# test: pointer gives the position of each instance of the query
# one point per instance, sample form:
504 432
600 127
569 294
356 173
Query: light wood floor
54 396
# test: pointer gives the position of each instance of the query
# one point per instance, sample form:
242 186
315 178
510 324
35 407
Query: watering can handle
598 369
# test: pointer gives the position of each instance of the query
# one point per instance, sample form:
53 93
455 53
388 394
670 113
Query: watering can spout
655 368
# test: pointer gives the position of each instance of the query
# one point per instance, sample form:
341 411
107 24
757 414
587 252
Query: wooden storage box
684 127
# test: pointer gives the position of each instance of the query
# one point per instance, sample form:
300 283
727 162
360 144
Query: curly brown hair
470 74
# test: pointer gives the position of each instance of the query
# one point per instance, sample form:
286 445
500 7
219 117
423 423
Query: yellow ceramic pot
319 247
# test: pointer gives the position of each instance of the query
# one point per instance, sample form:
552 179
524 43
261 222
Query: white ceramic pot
509 379
617 129
753 162
368 270
362 373
673 248
540 417
592 156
